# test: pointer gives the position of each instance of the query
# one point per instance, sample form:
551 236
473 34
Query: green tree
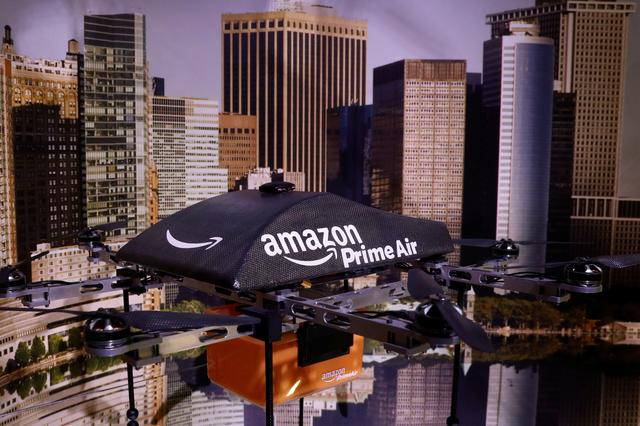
38 349
56 375
23 354
193 306
75 338
55 341
77 368
39 381
24 387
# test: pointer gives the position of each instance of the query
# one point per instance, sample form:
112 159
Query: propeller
111 226
616 261
31 259
487 243
422 285
153 320
11 276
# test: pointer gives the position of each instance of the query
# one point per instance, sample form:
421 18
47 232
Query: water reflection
592 384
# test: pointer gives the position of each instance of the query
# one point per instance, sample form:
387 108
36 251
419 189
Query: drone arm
544 288
44 292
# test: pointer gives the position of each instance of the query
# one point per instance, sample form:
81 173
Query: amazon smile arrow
184 245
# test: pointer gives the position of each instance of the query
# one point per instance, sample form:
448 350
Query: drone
262 249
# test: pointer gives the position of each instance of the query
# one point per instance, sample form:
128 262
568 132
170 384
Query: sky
183 42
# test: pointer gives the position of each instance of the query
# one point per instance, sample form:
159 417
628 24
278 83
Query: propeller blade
422 285
153 320
618 261
112 226
540 265
469 332
529 243
475 242
31 259
169 321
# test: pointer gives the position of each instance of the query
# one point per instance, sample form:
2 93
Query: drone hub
430 321
106 332
12 279
583 274
506 249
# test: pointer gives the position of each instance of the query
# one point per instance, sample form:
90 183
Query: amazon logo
213 241
338 242
328 240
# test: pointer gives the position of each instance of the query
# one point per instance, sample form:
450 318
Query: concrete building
561 172
207 410
117 91
238 145
99 397
158 86
42 115
261 175
417 154
186 152
512 396
48 177
287 68
591 41
8 244
349 135
415 394
518 84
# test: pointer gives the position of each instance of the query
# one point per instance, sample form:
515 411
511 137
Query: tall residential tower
518 85
186 152
116 107
288 68
417 153
590 38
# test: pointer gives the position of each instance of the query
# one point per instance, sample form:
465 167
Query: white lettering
289 239
352 232
326 242
338 234
400 250
271 247
348 256
312 241
388 252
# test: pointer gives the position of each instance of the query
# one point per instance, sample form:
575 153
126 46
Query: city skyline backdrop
178 34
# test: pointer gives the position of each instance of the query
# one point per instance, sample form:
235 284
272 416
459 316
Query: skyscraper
512 396
116 102
42 115
48 149
48 177
186 152
418 393
518 83
417 154
349 136
590 40
288 68
238 145
8 247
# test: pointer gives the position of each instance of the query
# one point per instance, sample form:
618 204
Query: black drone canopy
254 240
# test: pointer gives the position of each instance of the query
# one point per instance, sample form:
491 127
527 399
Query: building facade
185 151
287 68
116 107
261 175
238 145
518 82
46 145
8 245
417 154
591 42
48 177
349 135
